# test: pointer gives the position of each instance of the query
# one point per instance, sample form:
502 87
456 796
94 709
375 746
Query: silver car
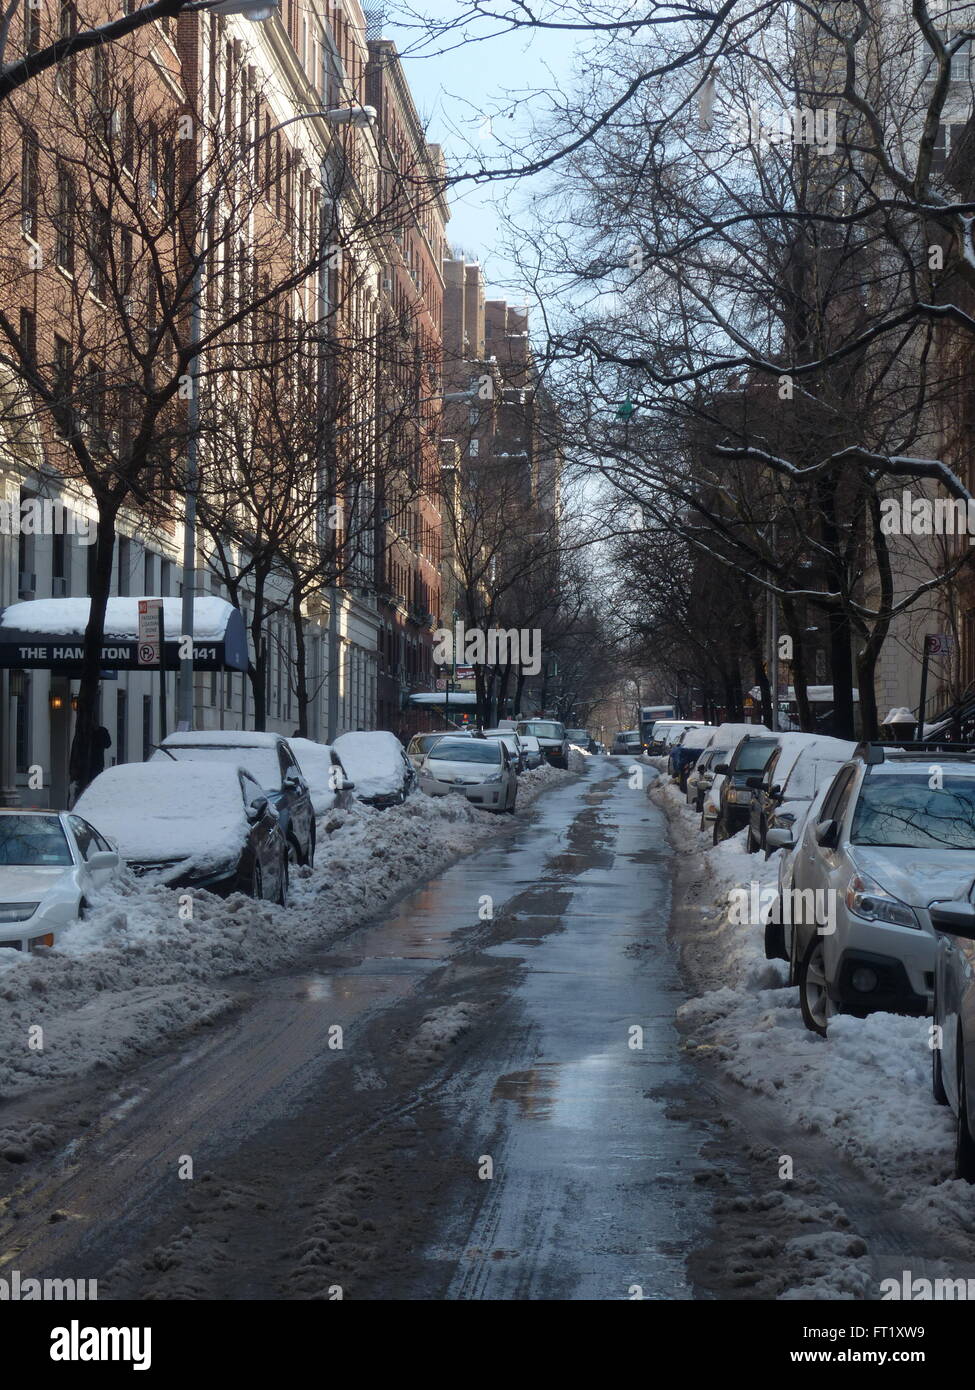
953 1038
481 769
894 834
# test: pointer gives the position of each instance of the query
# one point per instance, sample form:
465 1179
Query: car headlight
739 795
867 899
495 777
17 912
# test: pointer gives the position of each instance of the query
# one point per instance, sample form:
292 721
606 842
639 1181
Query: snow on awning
433 697
49 633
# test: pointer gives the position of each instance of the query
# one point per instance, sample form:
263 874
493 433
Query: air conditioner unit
59 587
26 585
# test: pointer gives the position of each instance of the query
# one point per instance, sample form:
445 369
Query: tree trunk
80 770
301 665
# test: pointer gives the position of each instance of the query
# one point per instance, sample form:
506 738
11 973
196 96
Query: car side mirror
777 837
827 834
722 768
755 783
257 808
777 789
956 918
104 859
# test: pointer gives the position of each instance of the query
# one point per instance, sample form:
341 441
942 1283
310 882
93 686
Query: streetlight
357 116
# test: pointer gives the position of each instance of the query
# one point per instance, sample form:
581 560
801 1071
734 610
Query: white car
513 743
481 769
889 839
51 865
420 744
534 753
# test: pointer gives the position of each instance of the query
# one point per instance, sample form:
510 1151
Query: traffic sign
147 654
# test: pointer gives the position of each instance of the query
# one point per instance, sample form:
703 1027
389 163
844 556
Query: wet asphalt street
506 1118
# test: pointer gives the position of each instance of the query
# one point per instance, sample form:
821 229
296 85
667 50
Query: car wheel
84 910
794 956
775 935
937 1080
964 1144
704 824
282 898
750 844
312 846
716 835
292 852
814 1000
257 881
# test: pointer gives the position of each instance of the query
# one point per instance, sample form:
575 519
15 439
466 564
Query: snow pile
137 972
866 1088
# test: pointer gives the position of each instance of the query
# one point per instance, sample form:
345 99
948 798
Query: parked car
665 731
685 751
786 840
953 1062
534 757
52 864
700 777
193 824
271 762
376 763
551 736
482 769
582 739
797 766
329 785
512 742
749 760
882 847
422 743
628 741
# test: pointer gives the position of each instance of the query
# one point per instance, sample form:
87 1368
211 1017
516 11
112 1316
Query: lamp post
254 10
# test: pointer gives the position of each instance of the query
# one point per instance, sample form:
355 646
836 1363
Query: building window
24 725
147 573
124 565
66 72
64 226
165 578
32 24
29 184
28 336
961 62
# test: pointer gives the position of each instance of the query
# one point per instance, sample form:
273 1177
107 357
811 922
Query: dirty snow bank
136 972
866 1089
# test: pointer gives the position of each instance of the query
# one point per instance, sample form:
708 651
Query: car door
509 776
297 798
265 841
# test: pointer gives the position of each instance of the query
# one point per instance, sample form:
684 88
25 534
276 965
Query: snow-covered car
551 736
192 825
800 764
482 769
328 784
376 763
534 757
52 863
953 1046
685 751
891 837
701 775
271 762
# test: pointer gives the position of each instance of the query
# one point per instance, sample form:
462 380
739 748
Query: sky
472 98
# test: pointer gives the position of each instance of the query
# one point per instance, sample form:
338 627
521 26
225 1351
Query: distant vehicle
267 758
420 744
685 750
482 769
192 825
649 715
551 736
667 731
51 865
328 783
376 763
628 741
513 743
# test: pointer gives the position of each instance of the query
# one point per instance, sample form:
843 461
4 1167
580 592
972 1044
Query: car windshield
33 840
261 763
753 756
475 750
576 733
902 810
543 729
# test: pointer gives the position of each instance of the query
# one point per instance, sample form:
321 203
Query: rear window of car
753 755
475 750
543 729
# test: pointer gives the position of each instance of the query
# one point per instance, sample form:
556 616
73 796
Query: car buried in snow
377 763
195 824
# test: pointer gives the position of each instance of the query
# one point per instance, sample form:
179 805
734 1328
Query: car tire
84 910
750 844
312 847
257 881
292 852
814 1000
716 836
775 936
794 957
282 898
964 1144
937 1079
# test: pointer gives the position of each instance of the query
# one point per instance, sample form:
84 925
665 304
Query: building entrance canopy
49 634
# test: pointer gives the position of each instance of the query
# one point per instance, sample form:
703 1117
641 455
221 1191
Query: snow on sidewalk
119 983
866 1088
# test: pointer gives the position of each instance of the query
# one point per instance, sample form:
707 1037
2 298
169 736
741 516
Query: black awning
33 637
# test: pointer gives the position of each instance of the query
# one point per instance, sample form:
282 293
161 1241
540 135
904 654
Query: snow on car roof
220 738
167 810
373 760
315 761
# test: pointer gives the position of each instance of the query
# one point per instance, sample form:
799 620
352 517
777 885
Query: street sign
147 653
938 644
150 610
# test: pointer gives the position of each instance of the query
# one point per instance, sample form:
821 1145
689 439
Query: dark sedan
748 761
